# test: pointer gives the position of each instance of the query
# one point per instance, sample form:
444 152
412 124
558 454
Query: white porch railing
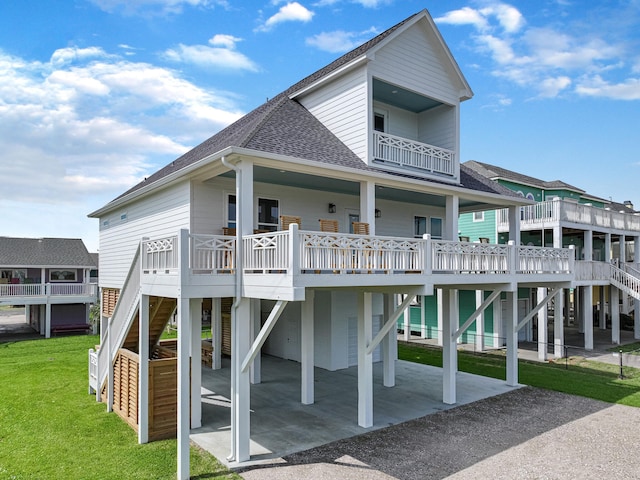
409 153
589 270
207 254
545 260
465 257
554 211
266 252
48 289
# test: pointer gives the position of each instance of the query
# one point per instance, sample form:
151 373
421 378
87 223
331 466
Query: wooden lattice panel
163 398
125 387
109 300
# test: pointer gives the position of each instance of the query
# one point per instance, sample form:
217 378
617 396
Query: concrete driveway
527 433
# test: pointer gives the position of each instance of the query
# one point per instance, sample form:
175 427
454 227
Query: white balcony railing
554 211
48 289
592 271
409 153
307 252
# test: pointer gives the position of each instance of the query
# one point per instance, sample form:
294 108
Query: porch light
378 213
332 208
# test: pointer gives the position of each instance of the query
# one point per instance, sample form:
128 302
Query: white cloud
509 18
291 12
464 16
597 87
83 132
221 55
339 41
551 87
161 7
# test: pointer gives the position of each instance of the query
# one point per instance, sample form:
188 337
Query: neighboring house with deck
298 228
51 278
606 238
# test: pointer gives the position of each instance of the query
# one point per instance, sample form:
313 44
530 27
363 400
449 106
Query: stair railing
625 281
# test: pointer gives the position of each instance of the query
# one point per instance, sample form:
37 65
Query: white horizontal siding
161 214
438 127
399 122
412 62
209 203
342 107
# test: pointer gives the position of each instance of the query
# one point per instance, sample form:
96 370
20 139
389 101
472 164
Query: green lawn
50 427
578 377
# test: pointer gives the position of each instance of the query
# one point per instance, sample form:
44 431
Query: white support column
587 313
602 315
240 334
543 333
255 372
389 345
423 317
498 340
514 225
557 237
511 321
368 205
407 323
440 327
143 372
47 319
450 229
195 314
184 345
608 254
636 302
558 325
365 361
479 322
307 361
216 333
450 319
614 306
623 249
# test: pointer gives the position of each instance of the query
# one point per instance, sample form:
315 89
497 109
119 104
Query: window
268 215
62 276
478 216
231 211
419 226
436 228
378 122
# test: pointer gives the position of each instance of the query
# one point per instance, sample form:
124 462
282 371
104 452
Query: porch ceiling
401 98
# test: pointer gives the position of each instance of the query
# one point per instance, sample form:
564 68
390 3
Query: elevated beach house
51 278
298 229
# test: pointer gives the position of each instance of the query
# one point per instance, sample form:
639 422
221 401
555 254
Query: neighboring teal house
601 231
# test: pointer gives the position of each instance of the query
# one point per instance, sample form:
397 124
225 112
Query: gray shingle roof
283 126
494 172
44 252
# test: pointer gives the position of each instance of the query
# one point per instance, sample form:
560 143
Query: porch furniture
71 328
286 220
463 238
360 228
483 239
228 231
328 225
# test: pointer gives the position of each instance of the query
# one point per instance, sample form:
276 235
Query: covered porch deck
281 424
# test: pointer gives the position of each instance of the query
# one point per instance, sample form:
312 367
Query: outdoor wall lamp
378 213
332 208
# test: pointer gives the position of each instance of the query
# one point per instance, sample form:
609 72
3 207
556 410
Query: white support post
511 321
423 317
407 324
498 340
307 362
143 375
47 318
514 224
543 332
439 313
558 325
608 254
587 312
636 302
368 205
184 344
389 345
216 333
479 341
109 344
365 361
614 306
240 334
450 231
195 314
255 371
623 249
602 316
450 319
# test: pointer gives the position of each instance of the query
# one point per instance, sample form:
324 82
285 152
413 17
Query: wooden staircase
160 311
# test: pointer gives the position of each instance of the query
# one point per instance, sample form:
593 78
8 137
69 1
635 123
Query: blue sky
97 94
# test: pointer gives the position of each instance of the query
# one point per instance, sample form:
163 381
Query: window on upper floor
268 214
379 121
419 226
436 228
478 216
434 225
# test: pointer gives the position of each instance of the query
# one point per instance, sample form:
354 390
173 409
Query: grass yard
587 379
50 427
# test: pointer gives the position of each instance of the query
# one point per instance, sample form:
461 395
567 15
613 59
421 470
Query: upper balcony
281 265
553 212
39 293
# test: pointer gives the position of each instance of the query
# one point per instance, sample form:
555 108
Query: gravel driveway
528 433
